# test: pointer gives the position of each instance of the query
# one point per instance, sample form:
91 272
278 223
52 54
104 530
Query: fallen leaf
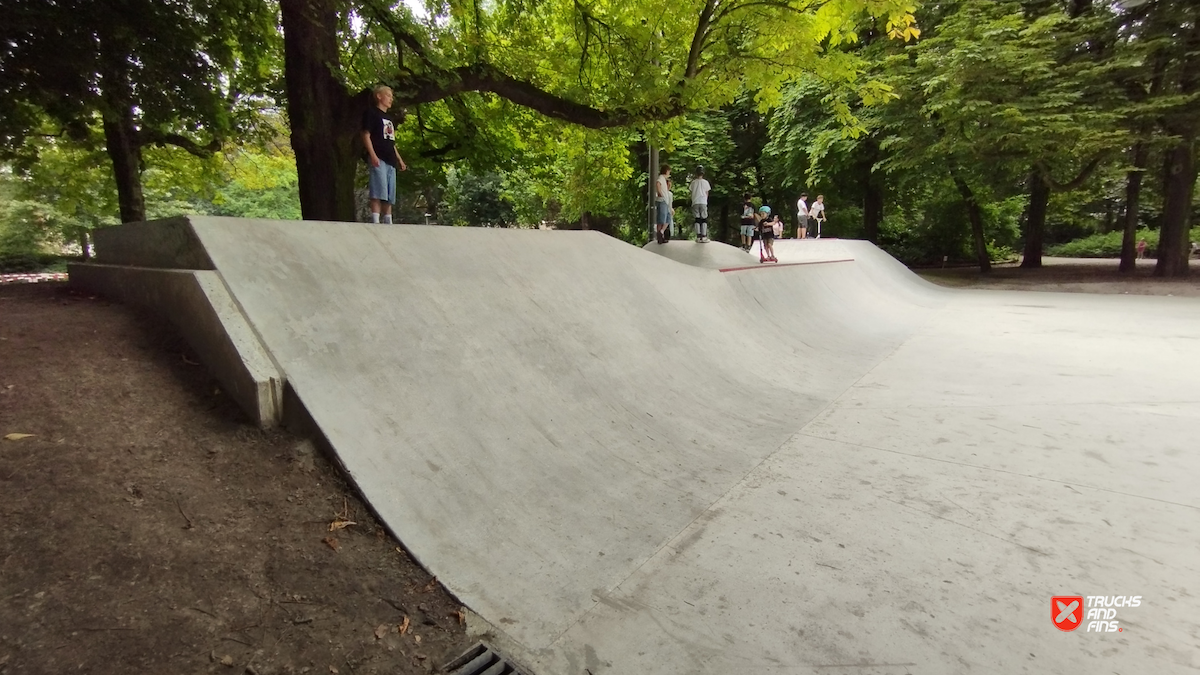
403 627
340 524
227 661
17 437
332 543
431 586
185 360
332 669
417 638
380 631
462 616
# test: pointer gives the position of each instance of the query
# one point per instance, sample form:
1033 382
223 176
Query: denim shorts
747 230
665 216
382 182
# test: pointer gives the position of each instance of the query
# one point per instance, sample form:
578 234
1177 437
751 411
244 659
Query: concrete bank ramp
713 255
625 464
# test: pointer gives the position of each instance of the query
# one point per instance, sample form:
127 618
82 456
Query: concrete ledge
168 244
199 304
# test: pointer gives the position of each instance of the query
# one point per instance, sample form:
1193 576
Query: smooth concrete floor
625 464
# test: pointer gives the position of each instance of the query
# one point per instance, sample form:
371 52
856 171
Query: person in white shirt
817 213
662 205
802 214
700 189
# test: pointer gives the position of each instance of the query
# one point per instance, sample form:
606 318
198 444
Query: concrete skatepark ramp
626 464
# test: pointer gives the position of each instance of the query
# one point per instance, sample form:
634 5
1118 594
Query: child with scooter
766 235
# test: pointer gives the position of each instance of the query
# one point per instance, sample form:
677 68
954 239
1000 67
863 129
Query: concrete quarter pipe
627 464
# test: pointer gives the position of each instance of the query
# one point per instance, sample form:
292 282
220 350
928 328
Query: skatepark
676 460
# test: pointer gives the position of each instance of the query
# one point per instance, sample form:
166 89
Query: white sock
388 219
374 217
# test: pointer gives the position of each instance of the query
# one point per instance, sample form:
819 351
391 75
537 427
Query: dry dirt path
146 527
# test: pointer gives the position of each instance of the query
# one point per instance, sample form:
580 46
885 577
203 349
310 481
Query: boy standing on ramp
700 189
379 139
817 212
802 215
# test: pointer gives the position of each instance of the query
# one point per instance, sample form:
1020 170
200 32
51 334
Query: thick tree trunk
1133 195
121 133
1180 179
723 223
872 211
975 215
872 195
120 140
323 116
1035 224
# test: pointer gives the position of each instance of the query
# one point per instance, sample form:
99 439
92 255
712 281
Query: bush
1108 245
21 263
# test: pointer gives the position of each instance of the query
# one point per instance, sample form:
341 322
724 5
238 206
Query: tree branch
484 77
699 38
1075 182
400 36
159 138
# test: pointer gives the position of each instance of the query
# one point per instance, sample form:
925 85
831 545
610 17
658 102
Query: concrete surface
713 255
170 243
625 464
200 306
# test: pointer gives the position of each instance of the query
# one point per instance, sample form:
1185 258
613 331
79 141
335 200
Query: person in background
699 189
802 216
662 204
766 235
817 213
747 224
379 139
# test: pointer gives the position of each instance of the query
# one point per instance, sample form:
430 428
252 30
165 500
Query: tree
132 74
998 88
592 64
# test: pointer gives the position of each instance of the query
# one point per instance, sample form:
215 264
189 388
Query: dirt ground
1070 275
146 526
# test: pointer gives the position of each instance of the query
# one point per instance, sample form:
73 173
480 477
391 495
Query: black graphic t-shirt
383 134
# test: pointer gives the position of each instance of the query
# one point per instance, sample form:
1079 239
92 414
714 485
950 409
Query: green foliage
472 199
1108 244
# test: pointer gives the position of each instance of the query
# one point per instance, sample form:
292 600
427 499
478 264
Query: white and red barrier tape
32 278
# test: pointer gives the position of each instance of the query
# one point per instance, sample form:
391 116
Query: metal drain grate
481 659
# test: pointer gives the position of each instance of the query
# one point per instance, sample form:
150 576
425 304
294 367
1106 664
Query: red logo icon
1066 611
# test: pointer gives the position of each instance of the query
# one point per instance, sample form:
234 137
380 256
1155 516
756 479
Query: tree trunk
1180 178
121 133
120 140
1133 194
872 211
873 193
975 215
324 117
1035 225
723 223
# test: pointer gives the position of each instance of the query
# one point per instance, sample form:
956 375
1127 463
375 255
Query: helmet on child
764 209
